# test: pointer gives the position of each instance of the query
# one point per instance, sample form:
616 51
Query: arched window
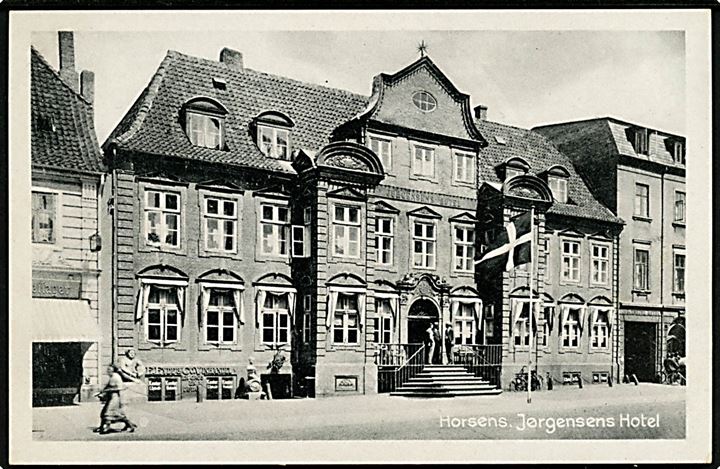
273 134
205 123
557 179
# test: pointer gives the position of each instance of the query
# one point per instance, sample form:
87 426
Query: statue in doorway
130 367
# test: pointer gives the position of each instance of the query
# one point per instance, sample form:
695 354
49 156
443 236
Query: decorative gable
424 212
464 217
275 191
347 193
384 207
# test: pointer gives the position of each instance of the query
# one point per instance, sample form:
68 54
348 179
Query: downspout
114 260
661 333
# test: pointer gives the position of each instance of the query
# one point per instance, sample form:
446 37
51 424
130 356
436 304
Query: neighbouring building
639 174
67 174
255 215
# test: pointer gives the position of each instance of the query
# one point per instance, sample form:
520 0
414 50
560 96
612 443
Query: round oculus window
424 101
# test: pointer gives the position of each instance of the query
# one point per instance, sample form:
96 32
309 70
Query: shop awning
63 321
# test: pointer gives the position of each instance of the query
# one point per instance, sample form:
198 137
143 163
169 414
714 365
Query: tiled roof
62 131
618 133
541 155
153 123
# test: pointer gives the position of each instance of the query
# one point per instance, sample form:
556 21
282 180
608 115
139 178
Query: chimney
87 85
480 112
66 44
231 58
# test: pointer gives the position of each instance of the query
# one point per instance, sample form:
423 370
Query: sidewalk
377 416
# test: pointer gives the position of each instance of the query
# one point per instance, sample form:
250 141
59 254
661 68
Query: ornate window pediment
384 207
424 212
347 193
464 217
572 298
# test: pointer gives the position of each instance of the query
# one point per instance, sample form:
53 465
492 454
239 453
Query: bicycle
520 381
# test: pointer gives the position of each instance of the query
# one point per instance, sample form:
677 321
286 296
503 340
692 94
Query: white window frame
638 279
163 230
641 207
467 247
600 330
280 229
543 324
57 216
428 244
642 142
277 313
421 101
199 136
596 263
512 171
351 249
345 314
220 310
385 321
163 307
571 329
221 219
307 318
382 235
558 187
464 167
274 150
679 152
681 201
566 272
383 149
299 237
420 171
676 254
464 324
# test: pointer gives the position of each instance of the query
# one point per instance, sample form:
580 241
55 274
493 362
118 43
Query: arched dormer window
205 122
515 167
272 134
557 179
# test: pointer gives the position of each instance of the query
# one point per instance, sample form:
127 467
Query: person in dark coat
449 341
113 411
437 338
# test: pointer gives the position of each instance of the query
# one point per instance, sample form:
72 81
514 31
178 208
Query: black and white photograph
384 236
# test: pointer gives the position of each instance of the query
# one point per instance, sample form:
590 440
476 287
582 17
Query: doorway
641 350
422 314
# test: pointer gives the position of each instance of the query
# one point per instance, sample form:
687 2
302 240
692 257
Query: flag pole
531 310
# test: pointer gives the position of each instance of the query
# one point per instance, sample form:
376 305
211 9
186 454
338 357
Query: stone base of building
339 379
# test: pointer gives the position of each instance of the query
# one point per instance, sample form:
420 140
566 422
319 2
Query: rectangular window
679 273
544 323
511 172
307 318
346 323
642 142
679 207
600 264
163 389
521 329
383 149
274 142
299 240
465 167
275 324
571 329
163 315
558 187
274 228
204 131
641 261
220 318
384 240
679 152
423 161
346 231
219 387
571 261
162 218
464 240
464 324
384 322
642 197
44 216
424 245
599 334
220 224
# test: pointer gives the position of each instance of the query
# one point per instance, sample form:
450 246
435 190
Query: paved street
623 411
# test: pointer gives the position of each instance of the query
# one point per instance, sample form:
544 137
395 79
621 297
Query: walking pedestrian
430 344
113 411
449 341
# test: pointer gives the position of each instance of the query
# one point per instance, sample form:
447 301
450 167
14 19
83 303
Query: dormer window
273 134
557 178
678 152
205 123
642 142
515 166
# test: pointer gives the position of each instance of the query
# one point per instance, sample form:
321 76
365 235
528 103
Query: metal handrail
422 347
404 371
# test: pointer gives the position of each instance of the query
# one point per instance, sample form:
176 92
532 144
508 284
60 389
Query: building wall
70 257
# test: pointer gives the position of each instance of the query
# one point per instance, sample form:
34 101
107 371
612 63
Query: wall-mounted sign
346 383
57 286
189 370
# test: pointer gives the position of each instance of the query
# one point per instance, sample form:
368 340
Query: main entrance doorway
640 350
421 315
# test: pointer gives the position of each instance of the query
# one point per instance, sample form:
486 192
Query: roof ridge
260 73
44 62
145 99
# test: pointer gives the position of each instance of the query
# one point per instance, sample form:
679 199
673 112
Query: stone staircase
445 381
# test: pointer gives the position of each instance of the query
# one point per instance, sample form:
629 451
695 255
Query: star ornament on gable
422 48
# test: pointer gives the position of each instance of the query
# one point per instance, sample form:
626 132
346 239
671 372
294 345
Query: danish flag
513 247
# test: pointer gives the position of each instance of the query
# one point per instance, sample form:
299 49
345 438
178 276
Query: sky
526 78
